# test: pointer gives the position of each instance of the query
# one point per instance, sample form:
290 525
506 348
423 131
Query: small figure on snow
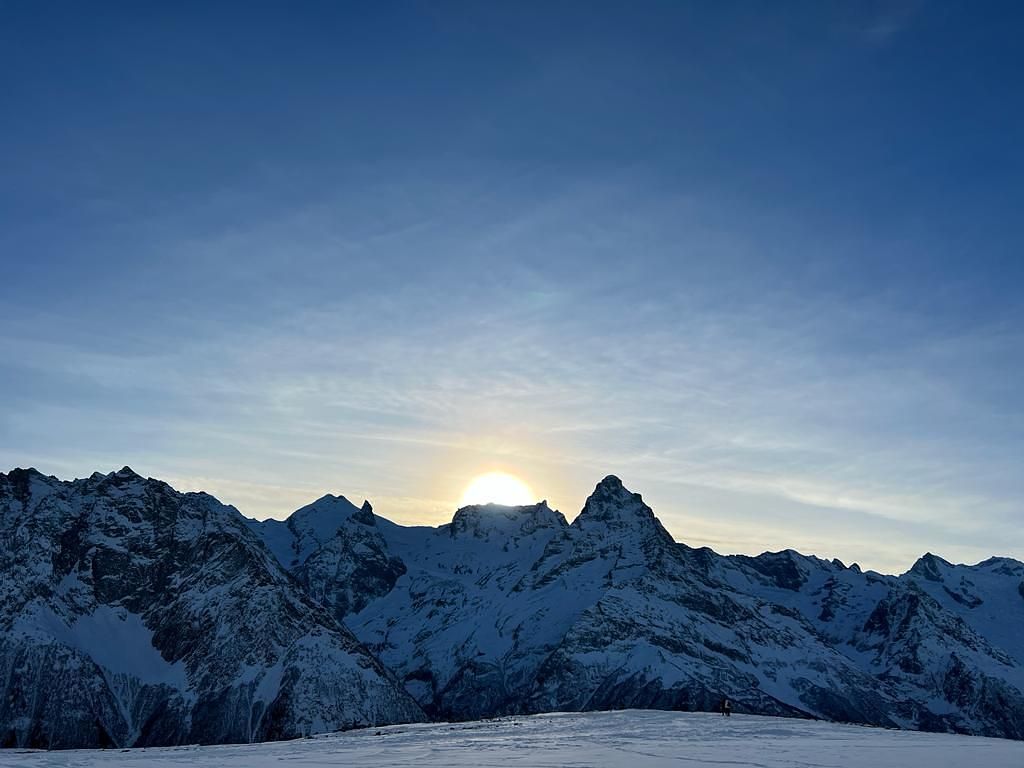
726 707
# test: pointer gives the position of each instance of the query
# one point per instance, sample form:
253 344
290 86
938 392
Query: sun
497 488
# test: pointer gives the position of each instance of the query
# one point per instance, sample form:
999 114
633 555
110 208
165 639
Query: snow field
624 739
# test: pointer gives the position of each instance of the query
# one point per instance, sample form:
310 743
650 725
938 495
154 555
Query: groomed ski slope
626 739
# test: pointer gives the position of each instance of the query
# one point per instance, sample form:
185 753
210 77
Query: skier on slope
726 707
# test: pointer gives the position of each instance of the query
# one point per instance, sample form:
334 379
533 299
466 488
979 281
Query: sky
764 262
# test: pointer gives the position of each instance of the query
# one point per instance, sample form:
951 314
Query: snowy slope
630 739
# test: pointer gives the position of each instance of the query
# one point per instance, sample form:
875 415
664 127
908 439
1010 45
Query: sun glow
497 488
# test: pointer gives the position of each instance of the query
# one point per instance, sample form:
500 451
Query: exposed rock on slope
335 551
135 615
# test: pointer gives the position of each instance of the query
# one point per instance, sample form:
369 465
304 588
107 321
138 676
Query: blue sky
763 262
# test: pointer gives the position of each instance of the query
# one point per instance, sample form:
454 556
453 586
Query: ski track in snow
625 739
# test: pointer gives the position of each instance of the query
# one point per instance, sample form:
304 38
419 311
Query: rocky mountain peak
115 484
786 569
612 508
325 515
19 472
929 566
1004 565
311 527
611 482
24 482
318 523
487 521
365 514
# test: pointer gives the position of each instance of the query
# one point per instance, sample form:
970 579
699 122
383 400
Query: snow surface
631 739
115 639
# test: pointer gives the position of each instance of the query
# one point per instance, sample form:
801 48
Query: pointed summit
929 566
612 510
122 478
611 487
323 516
365 514
21 475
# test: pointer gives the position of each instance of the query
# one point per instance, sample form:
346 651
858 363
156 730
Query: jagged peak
928 567
30 481
813 561
786 569
26 473
499 520
611 487
365 514
322 518
612 506
123 476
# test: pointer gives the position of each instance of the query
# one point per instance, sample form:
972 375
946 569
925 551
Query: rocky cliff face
160 617
134 615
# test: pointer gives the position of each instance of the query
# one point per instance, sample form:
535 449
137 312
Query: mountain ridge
502 610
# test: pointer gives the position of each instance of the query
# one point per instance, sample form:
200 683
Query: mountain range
135 615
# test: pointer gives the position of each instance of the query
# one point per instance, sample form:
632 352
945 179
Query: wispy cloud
570 379
749 261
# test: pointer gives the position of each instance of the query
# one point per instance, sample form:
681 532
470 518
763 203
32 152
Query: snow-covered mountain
336 551
131 614
134 615
512 609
